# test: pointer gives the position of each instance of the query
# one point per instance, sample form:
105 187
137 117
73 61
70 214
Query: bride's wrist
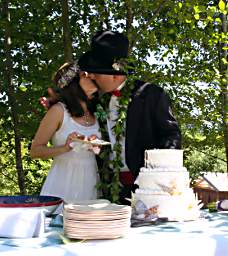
66 148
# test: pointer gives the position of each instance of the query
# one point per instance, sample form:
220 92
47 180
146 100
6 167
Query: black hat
107 54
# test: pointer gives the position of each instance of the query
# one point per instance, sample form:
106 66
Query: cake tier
164 158
167 181
177 207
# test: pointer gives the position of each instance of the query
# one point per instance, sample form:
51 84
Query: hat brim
95 64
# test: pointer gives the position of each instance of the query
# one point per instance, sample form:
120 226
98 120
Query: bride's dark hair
72 93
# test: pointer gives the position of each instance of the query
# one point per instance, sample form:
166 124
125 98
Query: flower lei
109 183
69 75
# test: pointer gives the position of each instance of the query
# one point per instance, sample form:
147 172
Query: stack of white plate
96 219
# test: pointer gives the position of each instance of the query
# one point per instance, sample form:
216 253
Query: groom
150 122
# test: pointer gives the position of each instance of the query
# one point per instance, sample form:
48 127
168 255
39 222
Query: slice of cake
164 188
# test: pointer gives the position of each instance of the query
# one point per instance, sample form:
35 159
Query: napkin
78 146
21 222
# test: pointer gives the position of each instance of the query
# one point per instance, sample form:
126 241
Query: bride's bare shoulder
55 112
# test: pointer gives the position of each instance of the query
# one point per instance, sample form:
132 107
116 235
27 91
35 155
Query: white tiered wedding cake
164 188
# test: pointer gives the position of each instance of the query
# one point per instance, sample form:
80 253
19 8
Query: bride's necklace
87 119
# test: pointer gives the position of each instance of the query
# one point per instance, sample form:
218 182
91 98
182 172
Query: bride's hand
71 138
95 148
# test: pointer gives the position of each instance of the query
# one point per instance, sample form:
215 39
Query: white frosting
150 192
162 169
164 158
163 180
164 184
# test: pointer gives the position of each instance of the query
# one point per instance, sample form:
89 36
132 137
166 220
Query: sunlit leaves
222 5
197 16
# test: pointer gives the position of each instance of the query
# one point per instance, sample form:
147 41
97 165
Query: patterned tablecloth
207 236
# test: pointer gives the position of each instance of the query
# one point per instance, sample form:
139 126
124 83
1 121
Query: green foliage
204 159
8 179
212 207
35 171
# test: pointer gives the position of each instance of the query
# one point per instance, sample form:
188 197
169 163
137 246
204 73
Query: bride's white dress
73 175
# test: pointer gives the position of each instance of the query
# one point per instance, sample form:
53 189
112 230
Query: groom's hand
50 100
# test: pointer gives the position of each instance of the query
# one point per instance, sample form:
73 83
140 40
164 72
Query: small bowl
48 203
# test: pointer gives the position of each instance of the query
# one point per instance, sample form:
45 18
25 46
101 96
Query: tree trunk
68 56
224 85
11 97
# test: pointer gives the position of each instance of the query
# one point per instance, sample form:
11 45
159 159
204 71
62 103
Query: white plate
94 142
98 207
89 202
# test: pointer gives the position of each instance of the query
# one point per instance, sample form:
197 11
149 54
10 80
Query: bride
73 174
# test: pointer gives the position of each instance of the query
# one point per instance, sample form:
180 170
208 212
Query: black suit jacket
150 124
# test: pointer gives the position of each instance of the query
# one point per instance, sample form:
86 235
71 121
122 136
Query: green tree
10 92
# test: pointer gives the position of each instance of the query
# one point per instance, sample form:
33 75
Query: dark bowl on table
48 203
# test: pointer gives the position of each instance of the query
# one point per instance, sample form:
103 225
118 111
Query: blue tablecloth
207 236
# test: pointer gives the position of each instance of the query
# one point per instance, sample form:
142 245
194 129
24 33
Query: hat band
103 71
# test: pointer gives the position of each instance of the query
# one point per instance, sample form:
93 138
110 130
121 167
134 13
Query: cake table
204 237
